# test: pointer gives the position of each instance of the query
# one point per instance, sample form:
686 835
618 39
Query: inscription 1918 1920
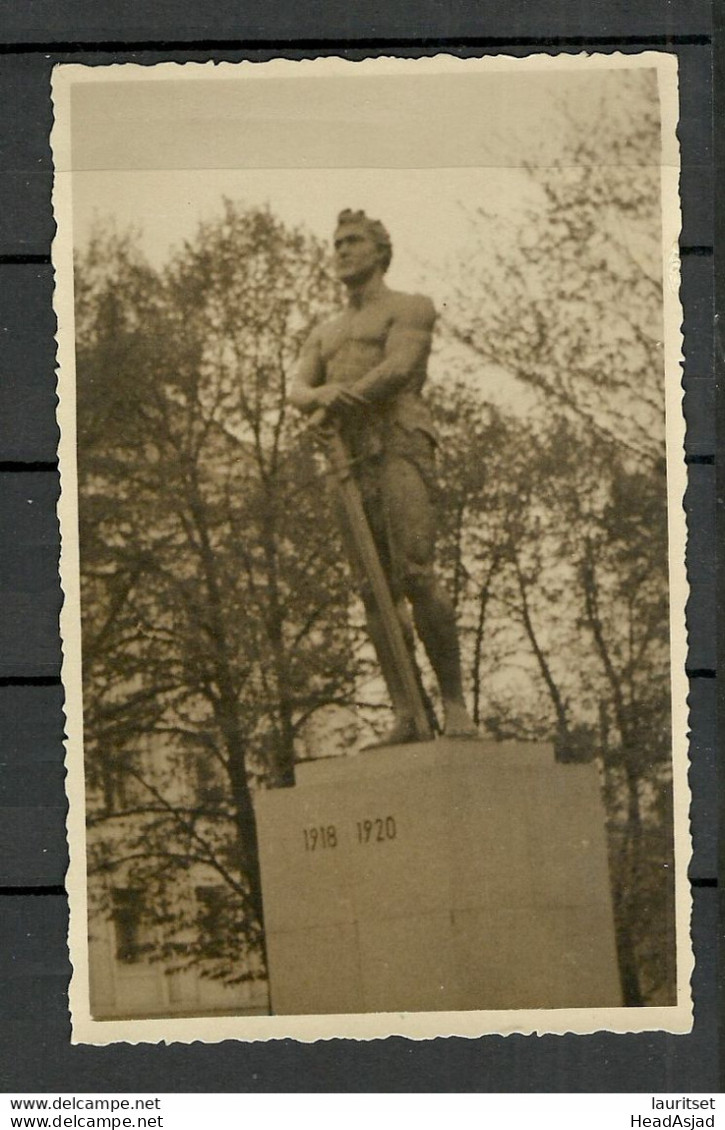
377 830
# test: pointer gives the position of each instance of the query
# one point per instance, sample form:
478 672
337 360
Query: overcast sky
416 149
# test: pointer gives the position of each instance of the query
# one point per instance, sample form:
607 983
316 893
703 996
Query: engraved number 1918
323 836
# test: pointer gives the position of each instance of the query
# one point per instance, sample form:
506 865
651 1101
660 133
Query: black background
36 1054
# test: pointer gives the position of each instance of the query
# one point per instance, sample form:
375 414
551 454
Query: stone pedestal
445 875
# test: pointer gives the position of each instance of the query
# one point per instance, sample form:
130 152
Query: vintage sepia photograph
372 472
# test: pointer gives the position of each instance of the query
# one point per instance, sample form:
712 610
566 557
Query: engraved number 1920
376 831
322 836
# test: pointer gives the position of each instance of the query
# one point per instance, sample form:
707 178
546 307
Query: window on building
117 781
208 782
127 922
213 913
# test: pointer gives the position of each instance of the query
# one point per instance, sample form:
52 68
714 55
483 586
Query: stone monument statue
360 376
444 875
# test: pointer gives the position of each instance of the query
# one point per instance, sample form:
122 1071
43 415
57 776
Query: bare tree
215 603
561 579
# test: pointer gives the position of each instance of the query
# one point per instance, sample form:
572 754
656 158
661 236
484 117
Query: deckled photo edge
677 1018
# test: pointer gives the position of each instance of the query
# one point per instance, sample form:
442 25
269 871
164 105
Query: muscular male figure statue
365 369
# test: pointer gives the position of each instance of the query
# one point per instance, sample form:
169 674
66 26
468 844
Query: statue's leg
411 521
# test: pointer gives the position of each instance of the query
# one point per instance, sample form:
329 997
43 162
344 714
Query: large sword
395 658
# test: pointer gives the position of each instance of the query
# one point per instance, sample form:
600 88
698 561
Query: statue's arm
406 350
309 392
310 374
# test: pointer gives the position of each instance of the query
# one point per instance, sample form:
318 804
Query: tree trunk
562 721
457 562
483 598
625 896
627 958
626 884
284 759
226 709
246 824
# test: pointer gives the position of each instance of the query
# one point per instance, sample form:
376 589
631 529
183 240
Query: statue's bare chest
356 332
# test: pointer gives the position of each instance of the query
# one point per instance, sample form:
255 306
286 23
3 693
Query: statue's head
369 238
